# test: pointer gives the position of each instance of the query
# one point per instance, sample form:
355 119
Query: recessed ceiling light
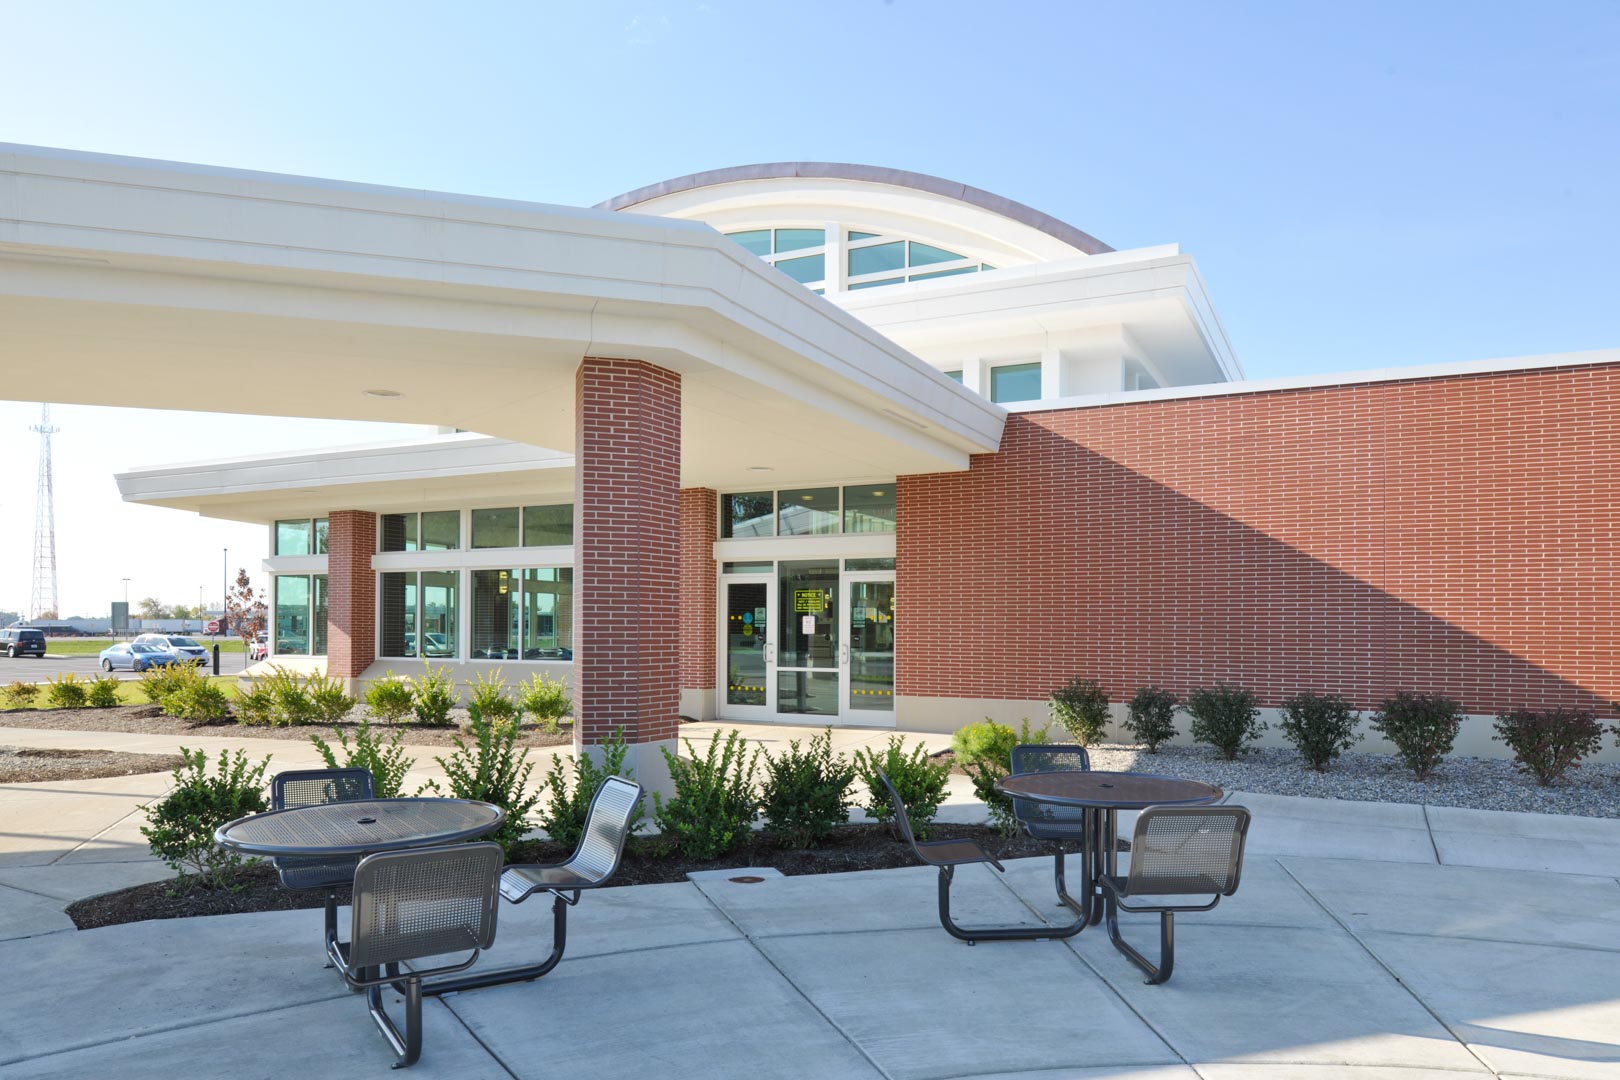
808 498
760 468
383 393
877 491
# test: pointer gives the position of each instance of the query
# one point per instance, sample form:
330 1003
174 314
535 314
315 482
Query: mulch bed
852 847
32 765
149 720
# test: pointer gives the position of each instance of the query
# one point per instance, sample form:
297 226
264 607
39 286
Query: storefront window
808 512
436 530
523 614
396 626
292 537
495 528
1015 382
869 509
322 529
547 526
440 613
292 614
748 513
441 530
317 615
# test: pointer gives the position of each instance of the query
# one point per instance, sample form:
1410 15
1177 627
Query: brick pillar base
351 593
700 520
627 557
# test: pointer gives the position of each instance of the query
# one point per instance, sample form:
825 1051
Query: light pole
225 588
126 590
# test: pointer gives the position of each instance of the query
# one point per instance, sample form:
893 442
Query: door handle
770 652
843 654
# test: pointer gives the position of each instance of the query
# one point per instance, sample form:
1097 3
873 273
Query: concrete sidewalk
1318 969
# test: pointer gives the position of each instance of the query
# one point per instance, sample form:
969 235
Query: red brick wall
700 526
351 611
1454 534
627 550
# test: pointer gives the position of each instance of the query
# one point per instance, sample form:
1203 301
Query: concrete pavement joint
482 1045
1433 843
1379 960
213 1019
763 955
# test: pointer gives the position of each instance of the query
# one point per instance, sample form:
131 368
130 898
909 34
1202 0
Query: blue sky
1363 185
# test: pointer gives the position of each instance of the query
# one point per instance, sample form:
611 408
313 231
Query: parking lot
33 669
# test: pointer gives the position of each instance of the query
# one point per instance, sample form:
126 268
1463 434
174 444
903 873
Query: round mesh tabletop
1113 790
360 827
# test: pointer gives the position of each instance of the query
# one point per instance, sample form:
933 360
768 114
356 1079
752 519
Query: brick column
700 521
627 555
351 593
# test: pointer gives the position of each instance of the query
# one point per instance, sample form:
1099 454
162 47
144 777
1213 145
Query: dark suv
21 641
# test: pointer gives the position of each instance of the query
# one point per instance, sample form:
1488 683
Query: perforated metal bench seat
519 882
953 853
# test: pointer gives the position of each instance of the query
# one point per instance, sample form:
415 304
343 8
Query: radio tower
44 594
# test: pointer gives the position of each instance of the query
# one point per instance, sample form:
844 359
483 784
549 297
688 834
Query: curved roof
871 174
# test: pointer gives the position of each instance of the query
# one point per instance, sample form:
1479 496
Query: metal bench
413 904
317 787
947 855
1176 851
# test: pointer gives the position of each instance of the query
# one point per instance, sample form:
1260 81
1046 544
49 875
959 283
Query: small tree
245 614
1423 728
1548 744
1321 727
1081 709
152 608
1226 717
1151 716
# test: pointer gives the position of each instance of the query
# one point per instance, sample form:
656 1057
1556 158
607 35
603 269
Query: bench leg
407 1046
973 935
1167 946
525 973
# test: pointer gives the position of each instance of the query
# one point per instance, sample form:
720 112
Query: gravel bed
32 765
149 720
1593 790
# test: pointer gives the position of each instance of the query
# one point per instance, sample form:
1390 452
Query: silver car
185 648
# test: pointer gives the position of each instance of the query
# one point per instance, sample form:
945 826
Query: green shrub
20 695
994 766
564 816
1226 717
256 707
804 795
180 826
290 701
921 783
489 694
197 700
103 692
1321 726
494 770
390 699
385 760
67 691
158 682
546 699
984 741
329 700
1081 709
1151 717
714 802
1423 728
1548 744
433 695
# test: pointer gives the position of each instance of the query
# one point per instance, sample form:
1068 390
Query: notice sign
811 600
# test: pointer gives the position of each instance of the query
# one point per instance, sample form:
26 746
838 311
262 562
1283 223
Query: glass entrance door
808 631
868 671
746 647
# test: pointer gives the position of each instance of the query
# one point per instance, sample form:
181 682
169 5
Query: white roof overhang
1155 294
151 284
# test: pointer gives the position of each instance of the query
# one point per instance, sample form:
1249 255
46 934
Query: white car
185 648
258 648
